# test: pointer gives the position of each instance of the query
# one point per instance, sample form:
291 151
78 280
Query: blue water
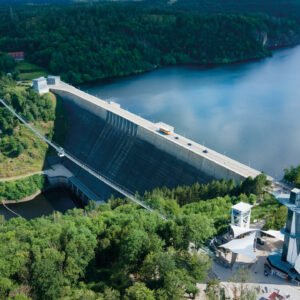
248 111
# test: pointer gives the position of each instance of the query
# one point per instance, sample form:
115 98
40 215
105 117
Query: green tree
7 63
47 277
6 285
138 291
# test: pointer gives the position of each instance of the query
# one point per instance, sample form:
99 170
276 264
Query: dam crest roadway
211 162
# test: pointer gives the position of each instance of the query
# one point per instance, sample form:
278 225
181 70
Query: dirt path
20 176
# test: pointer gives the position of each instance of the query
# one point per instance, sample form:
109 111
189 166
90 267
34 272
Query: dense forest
213 201
83 43
119 250
276 8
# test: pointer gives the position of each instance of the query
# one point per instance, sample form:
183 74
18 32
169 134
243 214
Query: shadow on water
57 199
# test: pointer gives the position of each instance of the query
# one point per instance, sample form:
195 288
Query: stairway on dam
121 156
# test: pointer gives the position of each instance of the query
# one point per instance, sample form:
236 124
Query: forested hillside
103 254
271 7
122 251
84 43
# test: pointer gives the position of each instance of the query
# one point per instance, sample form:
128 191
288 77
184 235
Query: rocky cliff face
283 39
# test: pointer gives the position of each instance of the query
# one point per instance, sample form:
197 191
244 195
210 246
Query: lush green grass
31 160
21 188
32 75
29 71
22 152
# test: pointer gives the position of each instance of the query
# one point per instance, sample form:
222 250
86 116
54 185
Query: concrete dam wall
131 151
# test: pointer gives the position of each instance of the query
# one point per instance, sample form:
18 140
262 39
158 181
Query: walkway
5 179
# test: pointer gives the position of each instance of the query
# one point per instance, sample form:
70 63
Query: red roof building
17 55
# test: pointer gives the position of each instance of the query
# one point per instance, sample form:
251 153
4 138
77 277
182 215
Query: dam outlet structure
133 152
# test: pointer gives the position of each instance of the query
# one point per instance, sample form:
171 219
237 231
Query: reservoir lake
247 111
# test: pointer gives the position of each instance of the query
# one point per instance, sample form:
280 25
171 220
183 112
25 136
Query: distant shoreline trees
113 40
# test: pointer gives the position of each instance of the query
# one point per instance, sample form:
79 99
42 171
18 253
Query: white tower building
40 85
291 247
240 215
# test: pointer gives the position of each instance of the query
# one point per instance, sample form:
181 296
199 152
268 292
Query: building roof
242 207
39 79
243 246
274 233
295 190
237 231
17 54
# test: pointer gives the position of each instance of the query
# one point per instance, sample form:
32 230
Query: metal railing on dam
207 160
122 190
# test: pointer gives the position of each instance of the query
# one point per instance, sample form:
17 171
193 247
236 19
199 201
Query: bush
21 188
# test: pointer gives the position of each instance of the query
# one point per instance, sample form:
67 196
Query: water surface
42 205
248 111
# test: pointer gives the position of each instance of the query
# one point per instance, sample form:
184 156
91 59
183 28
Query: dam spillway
132 152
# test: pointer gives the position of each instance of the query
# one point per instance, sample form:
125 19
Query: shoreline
25 199
207 65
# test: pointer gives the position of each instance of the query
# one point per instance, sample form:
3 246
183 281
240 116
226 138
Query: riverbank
24 189
25 199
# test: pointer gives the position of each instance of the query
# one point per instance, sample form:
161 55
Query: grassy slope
33 158
29 71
